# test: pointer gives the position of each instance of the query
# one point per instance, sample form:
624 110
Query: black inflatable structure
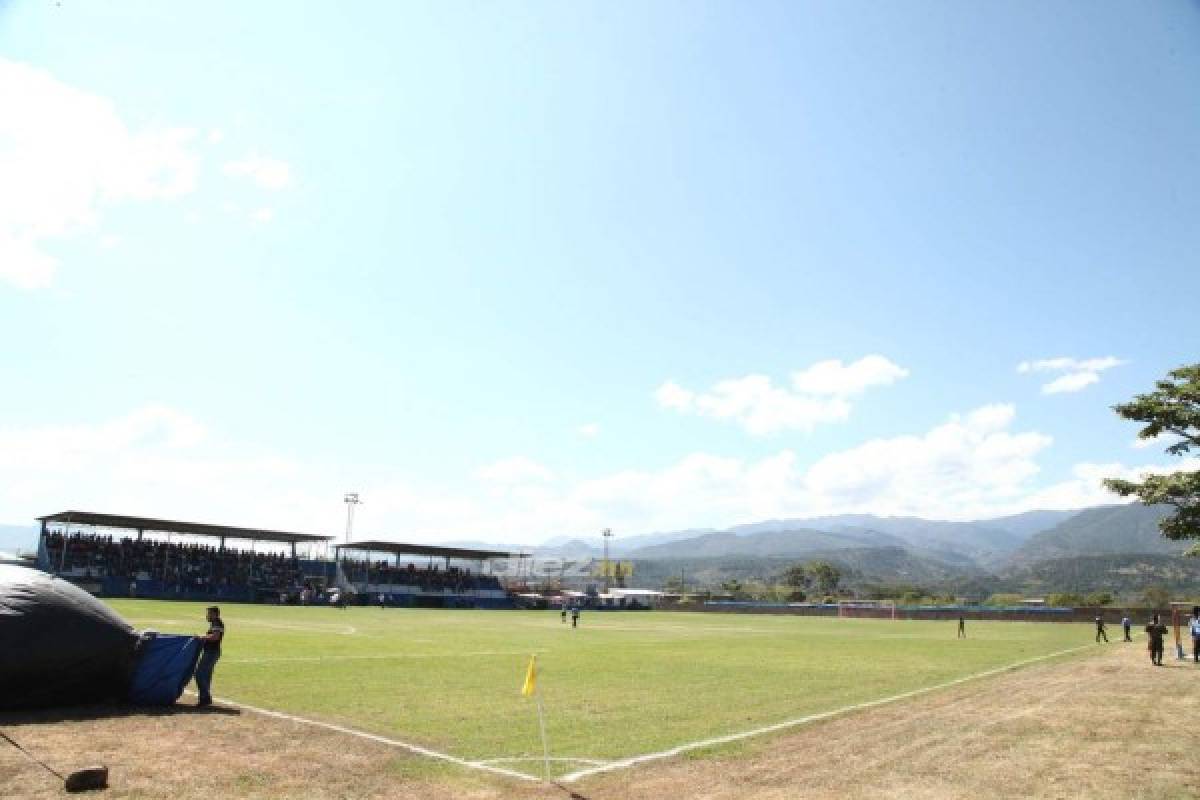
61 646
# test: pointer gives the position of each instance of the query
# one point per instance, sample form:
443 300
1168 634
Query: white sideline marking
385 657
540 759
343 630
625 763
412 748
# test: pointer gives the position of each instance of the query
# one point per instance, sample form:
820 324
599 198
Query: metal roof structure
152 525
408 549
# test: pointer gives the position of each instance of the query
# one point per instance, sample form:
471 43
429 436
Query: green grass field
621 685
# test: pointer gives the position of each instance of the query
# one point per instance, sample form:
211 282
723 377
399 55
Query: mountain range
1102 547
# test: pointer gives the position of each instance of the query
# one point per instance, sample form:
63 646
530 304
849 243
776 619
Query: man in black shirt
1156 631
209 655
1100 632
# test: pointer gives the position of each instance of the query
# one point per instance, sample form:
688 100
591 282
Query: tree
1156 597
826 575
1172 409
1066 600
1098 599
797 576
733 586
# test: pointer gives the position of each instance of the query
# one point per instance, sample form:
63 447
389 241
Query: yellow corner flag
530 678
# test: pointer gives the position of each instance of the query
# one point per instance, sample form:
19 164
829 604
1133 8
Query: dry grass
1109 726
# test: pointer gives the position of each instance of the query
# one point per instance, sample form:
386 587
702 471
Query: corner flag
530 678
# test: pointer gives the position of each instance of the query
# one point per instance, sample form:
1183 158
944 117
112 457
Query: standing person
1125 626
1194 627
382 600
962 627
564 614
575 617
1155 632
210 653
1100 632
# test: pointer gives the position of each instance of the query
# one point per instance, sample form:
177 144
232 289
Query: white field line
342 630
625 763
539 759
384 657
412 748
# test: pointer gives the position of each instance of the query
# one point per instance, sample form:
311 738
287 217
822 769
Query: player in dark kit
209 655
1155 631
1100 632
962 627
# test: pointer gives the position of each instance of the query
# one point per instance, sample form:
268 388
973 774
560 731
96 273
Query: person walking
1155 632
575 617
1100 632
210 654
962 627
1126 625
564 614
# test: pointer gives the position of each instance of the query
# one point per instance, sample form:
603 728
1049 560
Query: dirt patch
195 755
1106 726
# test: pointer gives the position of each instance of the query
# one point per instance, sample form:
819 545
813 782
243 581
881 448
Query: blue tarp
165 665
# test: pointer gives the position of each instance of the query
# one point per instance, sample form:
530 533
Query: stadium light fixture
607 534
351 500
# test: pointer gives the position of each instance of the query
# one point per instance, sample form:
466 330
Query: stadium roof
406 549
174 526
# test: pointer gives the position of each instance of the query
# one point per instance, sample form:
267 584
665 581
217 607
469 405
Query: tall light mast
351 500
607 534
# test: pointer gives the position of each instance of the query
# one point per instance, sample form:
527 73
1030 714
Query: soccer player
1100 632
575 617
1194 627
962 627
210 653
564 614
1155 632
1126 625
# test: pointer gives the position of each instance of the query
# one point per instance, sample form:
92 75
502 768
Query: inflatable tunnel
61 646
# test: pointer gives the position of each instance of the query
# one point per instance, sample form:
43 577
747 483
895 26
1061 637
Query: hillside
1116 573
768 544
861 566
987 543
1099 531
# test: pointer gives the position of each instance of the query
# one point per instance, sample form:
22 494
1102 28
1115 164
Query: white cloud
835 378
216 136
517 469
1078 373
159 461
672 395
819 394
65 156
263 215
267 173
589 430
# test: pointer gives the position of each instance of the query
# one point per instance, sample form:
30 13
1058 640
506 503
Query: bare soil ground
1105 726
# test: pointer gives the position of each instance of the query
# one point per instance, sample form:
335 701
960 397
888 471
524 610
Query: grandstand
430 586
125 556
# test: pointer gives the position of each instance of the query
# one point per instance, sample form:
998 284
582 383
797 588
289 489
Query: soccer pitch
622 685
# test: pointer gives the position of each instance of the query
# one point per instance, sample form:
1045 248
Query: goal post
1180 613
867 609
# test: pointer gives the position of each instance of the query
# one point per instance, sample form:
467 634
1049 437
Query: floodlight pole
607 534
351 500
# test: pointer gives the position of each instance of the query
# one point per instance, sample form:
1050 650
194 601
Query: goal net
868 609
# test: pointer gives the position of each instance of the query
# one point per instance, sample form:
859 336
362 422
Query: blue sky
449 255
